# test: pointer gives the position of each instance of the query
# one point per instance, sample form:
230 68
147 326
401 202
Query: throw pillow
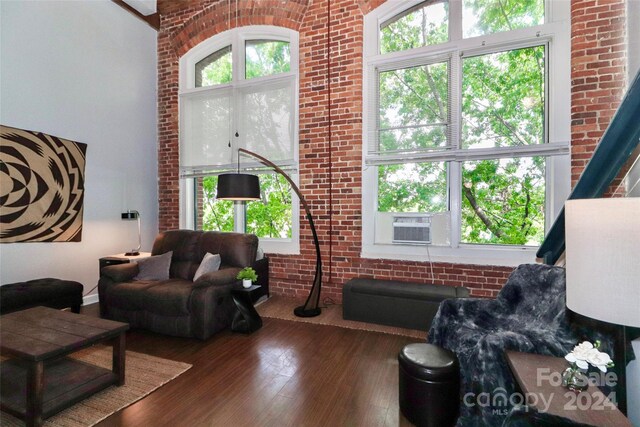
209 263
155 267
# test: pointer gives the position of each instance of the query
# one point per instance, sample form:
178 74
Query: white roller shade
205 129
267 120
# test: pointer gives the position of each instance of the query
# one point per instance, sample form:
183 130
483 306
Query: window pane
413 107
205 122
503 99
212 214
267 119
215 69
503 201
271 217
423 25
413 187
492 16
266 57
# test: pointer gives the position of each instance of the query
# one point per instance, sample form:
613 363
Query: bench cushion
395 303
394 288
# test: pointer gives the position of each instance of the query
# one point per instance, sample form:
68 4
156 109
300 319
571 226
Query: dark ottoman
54 293
429 385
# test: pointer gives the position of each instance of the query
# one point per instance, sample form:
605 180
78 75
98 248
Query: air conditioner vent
411 229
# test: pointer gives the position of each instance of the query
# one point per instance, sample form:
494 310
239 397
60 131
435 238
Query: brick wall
598 74
330 141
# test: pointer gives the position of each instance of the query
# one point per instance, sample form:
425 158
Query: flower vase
574 379
246 283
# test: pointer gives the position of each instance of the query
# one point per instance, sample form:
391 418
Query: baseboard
262 299
90 299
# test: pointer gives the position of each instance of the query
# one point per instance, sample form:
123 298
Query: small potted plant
248 276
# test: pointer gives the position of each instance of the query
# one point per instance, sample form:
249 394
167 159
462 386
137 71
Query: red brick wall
330 141
598 74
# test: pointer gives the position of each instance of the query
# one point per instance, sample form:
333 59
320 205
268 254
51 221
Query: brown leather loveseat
179 306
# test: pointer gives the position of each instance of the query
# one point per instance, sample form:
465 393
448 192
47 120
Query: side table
121 259
246 319
539 379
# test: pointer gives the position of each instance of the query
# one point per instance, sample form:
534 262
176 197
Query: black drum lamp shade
238 186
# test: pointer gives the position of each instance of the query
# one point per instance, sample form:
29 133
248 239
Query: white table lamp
603 259
603 271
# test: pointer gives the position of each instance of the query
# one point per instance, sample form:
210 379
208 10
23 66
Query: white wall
85 71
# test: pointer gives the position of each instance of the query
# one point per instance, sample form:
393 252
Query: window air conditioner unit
411 229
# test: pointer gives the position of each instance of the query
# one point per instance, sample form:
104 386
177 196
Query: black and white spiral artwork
41 187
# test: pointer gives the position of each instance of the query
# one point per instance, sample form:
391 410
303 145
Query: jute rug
279 307
143 374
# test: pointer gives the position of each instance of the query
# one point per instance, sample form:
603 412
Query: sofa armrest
120 272
224 276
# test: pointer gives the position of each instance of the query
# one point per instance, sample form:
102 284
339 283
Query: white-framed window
466 128
239 89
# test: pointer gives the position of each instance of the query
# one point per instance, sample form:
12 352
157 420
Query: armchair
179 306
528 315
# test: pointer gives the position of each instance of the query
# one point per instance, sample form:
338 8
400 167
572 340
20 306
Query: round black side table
429 385
246 319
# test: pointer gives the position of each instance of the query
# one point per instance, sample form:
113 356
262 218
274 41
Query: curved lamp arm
310 307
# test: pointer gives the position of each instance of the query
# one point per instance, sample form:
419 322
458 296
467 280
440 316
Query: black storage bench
394 303
54 293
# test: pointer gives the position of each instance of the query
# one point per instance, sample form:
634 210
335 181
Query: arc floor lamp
242 186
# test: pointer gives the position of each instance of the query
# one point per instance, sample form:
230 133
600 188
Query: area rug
143 374
279 307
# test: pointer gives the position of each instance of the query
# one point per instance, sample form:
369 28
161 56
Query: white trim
455 20
554 34
519 38
283 247
461 155
90 299
187 205
455 202
199 52
465 254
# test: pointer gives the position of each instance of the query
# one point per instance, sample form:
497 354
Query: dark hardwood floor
285 374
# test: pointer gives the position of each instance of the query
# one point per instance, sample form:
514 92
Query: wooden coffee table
37 380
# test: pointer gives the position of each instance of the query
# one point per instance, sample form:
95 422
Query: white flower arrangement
586 353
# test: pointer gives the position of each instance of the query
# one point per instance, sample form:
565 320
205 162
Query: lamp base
301 312
132 253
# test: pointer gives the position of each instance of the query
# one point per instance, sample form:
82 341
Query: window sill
282 247
466 254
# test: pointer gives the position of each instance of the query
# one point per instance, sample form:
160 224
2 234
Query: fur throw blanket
528 315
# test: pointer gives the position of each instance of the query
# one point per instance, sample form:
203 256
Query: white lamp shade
603 259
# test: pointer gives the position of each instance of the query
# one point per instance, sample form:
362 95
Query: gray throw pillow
155 267
209 263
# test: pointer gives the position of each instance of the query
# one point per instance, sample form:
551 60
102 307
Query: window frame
554 34
236 38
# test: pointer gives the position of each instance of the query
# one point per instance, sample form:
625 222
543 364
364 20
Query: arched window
239 89
466 129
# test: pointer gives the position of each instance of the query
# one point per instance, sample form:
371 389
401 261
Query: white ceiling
145 7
